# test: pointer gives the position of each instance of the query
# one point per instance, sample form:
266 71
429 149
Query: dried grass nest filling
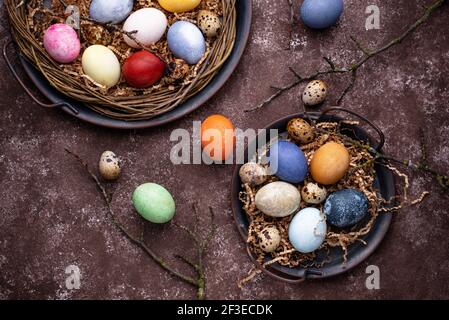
30 19
360 176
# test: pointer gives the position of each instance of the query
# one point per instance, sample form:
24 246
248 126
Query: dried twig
367 55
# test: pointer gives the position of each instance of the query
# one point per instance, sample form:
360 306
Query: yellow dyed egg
101 65
329 163
179 6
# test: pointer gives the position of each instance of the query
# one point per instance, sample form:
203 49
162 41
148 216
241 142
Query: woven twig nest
29 19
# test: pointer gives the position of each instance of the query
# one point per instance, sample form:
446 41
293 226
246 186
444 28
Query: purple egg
62 43
288 162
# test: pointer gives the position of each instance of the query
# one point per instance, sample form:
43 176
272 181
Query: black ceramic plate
244 16
357 252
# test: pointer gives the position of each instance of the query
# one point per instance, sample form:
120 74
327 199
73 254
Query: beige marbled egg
300 130
312 193
209 23
253 174
314 93
278 199
109 166
269 239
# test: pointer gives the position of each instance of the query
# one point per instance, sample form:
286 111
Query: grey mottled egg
253 174
269 239
209 23
312 193
300 130
314 93
278 199
109 166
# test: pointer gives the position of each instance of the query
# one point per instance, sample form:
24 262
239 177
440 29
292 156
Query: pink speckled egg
62 43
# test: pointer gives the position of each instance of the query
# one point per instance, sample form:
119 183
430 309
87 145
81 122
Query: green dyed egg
154 203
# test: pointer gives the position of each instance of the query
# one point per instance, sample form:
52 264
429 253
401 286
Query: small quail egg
109 166
209 23
312 193
314 93
300 130
253 174
270 239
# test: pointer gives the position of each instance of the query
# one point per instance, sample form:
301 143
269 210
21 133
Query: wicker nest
29 19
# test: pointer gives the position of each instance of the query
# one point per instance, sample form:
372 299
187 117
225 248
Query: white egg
307 230
149 25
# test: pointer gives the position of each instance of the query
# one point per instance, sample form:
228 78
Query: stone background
51 215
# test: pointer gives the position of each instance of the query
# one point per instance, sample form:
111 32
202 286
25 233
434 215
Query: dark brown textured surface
51 215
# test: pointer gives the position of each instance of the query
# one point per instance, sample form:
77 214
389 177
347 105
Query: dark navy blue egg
321 14
287 162
345 208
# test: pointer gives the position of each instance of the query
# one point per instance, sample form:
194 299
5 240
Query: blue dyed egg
321 14
307 230
186 41
110 11
346 207
287 162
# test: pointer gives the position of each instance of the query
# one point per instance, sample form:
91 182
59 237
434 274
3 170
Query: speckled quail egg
270 238
97 35
109 166
312 193
253 174
209 23
314 93
300 130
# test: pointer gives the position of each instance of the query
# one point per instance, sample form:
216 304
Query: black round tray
357 252
81 111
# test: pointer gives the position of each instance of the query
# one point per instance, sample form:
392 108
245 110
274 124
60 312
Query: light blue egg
186 41
110 11
321 14
307 230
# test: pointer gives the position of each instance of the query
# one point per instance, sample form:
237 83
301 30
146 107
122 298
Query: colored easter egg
150 25
62 43
154 203
278 199
346 207
307 230
186 41
101 64
329 163
217 137
321 14
288 162
110 11
143 69
179 6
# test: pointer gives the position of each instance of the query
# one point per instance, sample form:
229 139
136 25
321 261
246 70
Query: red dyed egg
143 69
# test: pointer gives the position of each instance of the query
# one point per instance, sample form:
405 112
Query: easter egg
110 11
307 230
321 14
209 23
278 199
346 207
150 24
314 93
253 174
179 6
143 69
312 193
186 41
109 166
217 137
62 43
154 203
288 162
269 239
101 64
329 163
300 130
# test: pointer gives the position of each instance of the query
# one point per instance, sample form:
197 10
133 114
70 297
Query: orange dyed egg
329 163
217 137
